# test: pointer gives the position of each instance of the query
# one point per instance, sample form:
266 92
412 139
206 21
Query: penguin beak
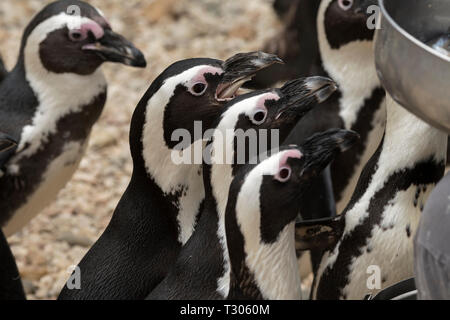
7 148
320 149
301 95
240 69
320 234
6 143
113 47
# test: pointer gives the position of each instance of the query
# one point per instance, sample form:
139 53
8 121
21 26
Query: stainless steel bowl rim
416 41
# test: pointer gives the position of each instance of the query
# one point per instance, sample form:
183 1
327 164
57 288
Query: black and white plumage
202 268
380 221
346 50
261 213
158 211
50 101
10 284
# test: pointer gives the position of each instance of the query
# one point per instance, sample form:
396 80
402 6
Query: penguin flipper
7 148
11 287
3 71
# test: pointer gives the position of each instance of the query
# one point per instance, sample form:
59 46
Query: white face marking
221 174
56 176
274 265
158 157
408 140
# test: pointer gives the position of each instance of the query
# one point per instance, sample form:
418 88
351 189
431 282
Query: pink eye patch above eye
294 154
200 76
267 97
93 27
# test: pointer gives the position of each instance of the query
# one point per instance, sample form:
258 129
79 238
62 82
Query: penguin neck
407 143
352 66
180 184
409 140
271 267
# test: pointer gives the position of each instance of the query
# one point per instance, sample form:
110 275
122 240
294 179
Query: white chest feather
408 141
58 96
56 176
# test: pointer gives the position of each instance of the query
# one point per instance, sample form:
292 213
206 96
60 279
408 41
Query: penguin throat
274 266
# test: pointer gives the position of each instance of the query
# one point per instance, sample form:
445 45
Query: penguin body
10 284
158 211
380 222
346 49
49 103
202 268
261 213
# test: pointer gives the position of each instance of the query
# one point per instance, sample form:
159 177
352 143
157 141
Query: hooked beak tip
321 87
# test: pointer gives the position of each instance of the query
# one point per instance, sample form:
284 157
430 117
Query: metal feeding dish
416 75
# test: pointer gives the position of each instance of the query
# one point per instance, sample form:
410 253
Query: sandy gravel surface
166 31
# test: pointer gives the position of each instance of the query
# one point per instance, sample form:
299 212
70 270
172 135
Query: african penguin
338 44
375 249
202 268
261 214
158 211
346 49
10 284
50 101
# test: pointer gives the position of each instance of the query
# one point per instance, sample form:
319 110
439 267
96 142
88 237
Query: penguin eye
259 116
345 4
284 174
77 35
198 89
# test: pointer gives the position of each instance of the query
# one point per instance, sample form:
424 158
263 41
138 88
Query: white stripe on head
274 265
158 156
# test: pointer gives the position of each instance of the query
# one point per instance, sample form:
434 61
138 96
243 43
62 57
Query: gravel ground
166 31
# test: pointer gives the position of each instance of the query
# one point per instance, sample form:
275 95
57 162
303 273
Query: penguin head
71 36
345 21
191 92
269 110
272 188
262 208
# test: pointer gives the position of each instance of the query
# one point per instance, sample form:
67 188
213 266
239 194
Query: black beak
320 234
301 95
113 47
320 149
240 69
7 148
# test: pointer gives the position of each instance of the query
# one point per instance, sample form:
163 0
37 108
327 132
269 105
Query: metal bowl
414 74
